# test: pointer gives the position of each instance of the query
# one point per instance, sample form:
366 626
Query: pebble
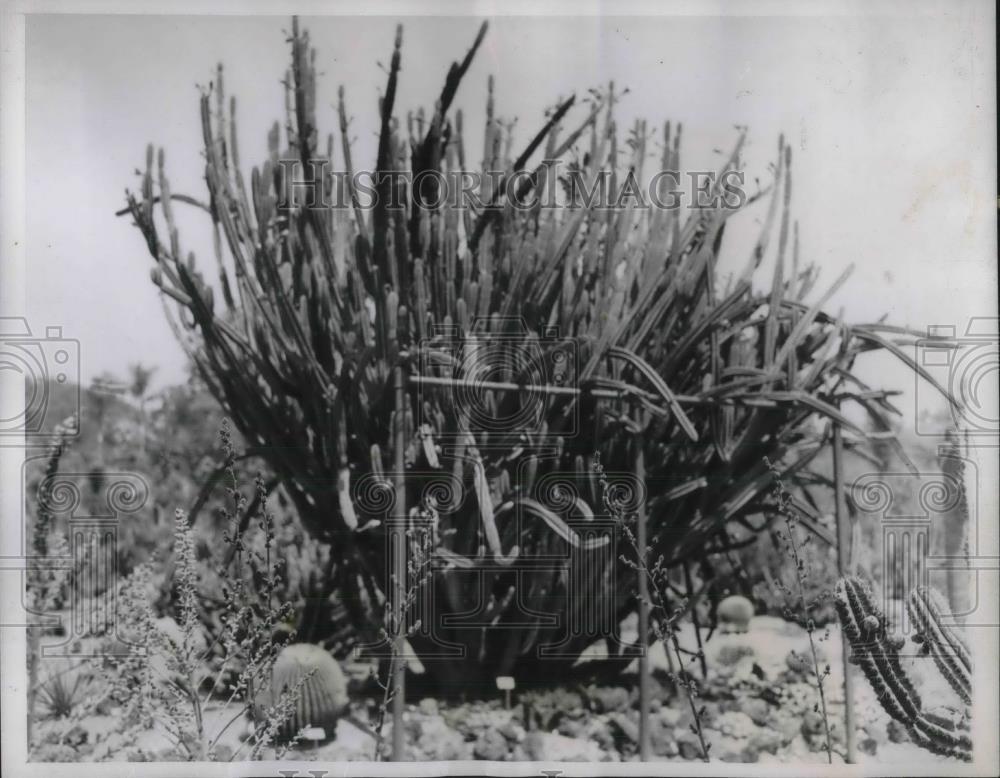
491 746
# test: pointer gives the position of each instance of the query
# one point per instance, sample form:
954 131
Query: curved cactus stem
947 646
872 650
485 502
943 733
560 527
876 652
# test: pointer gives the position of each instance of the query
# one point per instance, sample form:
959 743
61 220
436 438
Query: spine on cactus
946 646
876 651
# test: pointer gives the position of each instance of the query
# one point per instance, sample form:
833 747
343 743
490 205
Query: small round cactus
323 696
734 614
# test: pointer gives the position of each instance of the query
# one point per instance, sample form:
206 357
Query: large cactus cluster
942 729
306 312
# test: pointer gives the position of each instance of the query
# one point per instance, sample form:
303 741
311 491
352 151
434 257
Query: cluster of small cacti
315 308
876 651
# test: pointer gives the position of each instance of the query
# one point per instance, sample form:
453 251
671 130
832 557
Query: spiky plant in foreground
315 307
797 608
45 582
666 618
167 679
943 729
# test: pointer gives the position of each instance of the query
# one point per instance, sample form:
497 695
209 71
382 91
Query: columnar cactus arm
945 645
943 730
876 652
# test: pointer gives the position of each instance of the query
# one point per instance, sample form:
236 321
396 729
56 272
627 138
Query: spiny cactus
734 614
323 696
947 646
942 730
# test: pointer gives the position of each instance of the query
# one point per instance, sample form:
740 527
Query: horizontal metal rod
573 391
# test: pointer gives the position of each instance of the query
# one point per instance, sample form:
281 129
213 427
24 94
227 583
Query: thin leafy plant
166 680
665 627
396 628
45 584
800 607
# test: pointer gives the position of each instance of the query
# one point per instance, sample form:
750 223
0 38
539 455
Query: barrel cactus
734 614
323 694
942 729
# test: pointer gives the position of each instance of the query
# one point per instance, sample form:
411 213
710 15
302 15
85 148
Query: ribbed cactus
943 729
734 614
945 645
323 696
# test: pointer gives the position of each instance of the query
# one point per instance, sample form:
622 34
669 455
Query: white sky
891 118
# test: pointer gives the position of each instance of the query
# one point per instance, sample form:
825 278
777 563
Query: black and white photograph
426 388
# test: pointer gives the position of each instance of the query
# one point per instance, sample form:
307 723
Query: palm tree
140 377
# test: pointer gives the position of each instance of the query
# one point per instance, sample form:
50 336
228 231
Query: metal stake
843 559
640 475
398 540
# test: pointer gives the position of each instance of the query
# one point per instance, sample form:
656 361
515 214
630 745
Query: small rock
76 737
735 724
765 741
897 732
625 727
428 706
875 732
689 749
729 749
605 699
661 738
551 747
867 745
512 731
670 716
743 674
52 752
786 725
439 742
732 653
571 727
599 731
490 746
798 662
758 710
799 749
812 724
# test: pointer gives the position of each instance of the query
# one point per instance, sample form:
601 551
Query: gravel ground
760 705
